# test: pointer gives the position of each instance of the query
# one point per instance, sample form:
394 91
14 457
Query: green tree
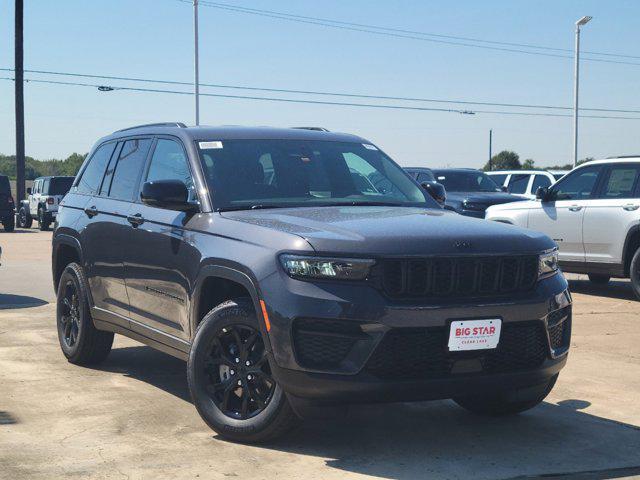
528 164
505 160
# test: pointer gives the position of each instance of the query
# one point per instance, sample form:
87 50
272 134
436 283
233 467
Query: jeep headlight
548 263
299 266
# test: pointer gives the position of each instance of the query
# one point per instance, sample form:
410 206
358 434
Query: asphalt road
131 416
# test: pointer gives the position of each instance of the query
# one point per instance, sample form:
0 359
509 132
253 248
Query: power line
317 102
412 32
324 93
392 33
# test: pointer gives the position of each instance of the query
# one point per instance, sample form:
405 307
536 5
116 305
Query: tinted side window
577 185
425 177
45 186
518 183
620 182
169 162
91 177
540 181
128 169
499 179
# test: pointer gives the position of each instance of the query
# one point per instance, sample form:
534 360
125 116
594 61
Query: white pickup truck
42 201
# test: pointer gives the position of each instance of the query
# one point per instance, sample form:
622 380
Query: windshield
60 185
243 174
463 181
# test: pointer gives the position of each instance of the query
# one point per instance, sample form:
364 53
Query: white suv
42 201
593 214
524 183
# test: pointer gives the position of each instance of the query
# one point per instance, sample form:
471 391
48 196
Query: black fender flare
234 274
63 239
625 249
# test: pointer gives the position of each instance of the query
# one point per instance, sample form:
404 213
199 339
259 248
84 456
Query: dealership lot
131 416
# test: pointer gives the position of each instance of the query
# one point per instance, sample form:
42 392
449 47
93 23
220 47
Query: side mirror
504 188
169 194
29 191
542 193
436 190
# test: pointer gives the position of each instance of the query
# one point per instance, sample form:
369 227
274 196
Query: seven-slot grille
449 276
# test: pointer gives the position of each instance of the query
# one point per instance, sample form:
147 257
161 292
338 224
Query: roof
418 169
516 172
234 132
461 170
612 160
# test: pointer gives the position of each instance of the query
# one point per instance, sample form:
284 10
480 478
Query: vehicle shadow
20 230
614 289
436 439
10 300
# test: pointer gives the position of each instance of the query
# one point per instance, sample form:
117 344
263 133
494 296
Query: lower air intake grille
416 353
324 344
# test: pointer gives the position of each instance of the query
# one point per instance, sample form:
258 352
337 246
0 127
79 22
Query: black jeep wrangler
297 270
7 206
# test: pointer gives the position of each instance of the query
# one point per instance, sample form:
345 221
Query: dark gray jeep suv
298 270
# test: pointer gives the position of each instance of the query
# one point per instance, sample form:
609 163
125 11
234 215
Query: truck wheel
230 378
24 218
634 273
599 279
43 222
507 403
9 223
81 342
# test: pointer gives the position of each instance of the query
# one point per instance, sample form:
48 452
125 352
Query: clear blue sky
153 38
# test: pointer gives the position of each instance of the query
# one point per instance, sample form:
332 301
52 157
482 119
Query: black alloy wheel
239 379
69 318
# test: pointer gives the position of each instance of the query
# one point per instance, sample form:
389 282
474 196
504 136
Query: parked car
424 176
470 192
593 215
524 183
42 201
7 207
254 255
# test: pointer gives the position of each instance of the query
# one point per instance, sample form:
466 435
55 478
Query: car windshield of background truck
244 174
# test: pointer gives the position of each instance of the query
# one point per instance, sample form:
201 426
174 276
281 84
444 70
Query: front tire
507 403
599 279
230 378
634 273
81 342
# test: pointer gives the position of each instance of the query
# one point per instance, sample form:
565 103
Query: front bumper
347 362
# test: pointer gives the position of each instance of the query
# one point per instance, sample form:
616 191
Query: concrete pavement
131 416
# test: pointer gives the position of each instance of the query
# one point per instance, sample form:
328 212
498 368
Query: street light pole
196 80
576 80
490 148
19 100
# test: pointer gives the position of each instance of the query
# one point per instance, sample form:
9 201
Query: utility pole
490 145
19 101
196 79
576 78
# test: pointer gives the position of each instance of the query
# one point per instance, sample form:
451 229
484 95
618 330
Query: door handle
630 207
575 208
91 211
135 220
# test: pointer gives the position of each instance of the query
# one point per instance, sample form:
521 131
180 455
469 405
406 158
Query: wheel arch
66 249
631 244
218 283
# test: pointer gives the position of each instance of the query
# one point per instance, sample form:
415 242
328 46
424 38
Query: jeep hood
374 230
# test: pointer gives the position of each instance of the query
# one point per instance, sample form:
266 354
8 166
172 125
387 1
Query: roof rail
623 156
316 129
162 124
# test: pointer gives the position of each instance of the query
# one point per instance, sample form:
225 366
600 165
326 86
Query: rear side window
518 183
540 181
621 182
130 163
91 177
45 186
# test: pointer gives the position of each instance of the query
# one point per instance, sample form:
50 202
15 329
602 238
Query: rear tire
634 273
507 403
81 342
599 279
43 222
230 378
24 218
9 223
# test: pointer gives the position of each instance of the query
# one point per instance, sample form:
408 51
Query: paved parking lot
131 417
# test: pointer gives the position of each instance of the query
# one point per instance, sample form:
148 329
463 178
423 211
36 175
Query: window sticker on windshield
368 146
209 145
